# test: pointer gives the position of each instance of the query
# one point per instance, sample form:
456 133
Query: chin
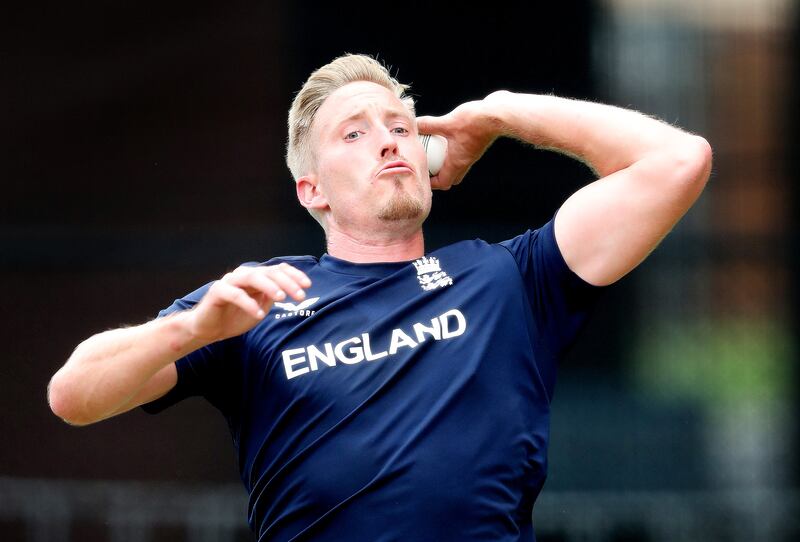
404 207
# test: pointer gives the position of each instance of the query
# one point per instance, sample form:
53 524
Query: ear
310 194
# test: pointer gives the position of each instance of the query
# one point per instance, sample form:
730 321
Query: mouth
396 167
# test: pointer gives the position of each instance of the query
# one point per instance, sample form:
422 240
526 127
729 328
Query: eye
353 135
400 130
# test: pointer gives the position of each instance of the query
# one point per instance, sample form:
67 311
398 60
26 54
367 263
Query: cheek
342 189
417 155
345 169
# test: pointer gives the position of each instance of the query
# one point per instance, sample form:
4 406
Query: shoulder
305 263
300 262
508 237
468 246
525 239
475 254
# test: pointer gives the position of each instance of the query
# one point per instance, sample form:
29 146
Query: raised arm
115 371
650 172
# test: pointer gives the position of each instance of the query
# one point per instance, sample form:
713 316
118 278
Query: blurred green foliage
715 362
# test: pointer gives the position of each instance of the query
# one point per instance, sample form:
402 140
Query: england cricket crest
430 274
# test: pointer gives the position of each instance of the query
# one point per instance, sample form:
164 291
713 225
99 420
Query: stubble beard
401 206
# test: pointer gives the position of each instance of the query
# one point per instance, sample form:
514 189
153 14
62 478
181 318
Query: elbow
704 156
64 402
694 159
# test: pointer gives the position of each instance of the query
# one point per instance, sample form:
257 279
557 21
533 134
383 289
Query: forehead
354 99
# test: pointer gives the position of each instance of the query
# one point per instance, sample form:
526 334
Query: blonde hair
322 83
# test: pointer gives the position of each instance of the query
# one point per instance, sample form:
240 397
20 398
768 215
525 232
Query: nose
388 143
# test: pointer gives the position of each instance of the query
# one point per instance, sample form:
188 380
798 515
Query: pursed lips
396 167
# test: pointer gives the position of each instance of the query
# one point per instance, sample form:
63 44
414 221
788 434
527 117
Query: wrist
496 108
182 337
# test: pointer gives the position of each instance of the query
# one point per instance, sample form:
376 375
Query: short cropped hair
322 83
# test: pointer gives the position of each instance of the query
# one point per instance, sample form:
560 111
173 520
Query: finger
301 278
287 284
450 175
437 183
431 125
266 287
265 302
249 278
227 293
444 179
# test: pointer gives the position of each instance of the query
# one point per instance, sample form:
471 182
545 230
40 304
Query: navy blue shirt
398 401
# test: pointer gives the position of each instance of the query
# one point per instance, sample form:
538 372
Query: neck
375 247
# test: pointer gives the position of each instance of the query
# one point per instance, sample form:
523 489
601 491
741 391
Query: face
371 169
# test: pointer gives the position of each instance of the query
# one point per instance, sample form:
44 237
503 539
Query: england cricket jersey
404 401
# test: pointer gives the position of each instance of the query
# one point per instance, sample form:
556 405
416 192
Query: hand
241 299
469 130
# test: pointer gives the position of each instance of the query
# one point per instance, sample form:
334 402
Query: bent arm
650 175
115 371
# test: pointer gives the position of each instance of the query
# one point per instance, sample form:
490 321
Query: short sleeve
203 372
560 300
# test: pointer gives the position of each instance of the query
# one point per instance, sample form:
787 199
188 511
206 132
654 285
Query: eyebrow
392 113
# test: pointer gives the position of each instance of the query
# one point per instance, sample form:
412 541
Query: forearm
106 371
606 138
650 173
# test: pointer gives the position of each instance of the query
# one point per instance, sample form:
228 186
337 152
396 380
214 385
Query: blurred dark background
142 156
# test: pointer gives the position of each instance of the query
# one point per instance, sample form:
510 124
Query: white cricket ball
435 148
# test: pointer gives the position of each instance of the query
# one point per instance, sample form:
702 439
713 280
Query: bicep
608 227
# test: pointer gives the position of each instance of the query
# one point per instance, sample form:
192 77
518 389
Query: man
400 395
